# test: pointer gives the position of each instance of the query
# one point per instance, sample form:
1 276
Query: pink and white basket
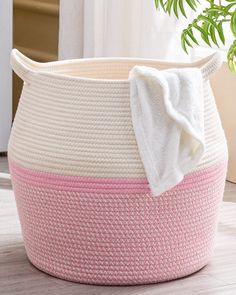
81 191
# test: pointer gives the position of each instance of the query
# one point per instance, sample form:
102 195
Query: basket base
119 238
61 276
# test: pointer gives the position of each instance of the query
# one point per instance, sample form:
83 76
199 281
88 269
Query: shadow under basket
82 195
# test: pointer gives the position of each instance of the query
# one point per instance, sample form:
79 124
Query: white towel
167 114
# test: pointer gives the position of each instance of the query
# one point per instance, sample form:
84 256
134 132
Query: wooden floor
19 277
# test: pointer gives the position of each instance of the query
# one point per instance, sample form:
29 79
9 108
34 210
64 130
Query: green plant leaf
205 27
231 56
159 4
192 4
228 7
233 23
175 8
209 23
183 42
221 32
181 7
169 4
187 41
156 4
204 35
213 35
189 32
218 27
207 20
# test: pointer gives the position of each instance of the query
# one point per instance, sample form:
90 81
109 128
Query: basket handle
210 64
24 67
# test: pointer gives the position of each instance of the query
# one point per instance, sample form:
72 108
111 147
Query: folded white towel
167 114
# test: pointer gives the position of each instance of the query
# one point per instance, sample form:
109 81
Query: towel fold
167 112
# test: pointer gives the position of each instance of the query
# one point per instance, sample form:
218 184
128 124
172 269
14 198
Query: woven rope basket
82 196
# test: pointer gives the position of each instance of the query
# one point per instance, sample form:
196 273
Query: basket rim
26 67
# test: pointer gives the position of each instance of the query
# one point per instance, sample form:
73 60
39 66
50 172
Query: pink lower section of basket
106 231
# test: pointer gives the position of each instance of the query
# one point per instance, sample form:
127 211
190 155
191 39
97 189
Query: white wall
224 87
5 72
